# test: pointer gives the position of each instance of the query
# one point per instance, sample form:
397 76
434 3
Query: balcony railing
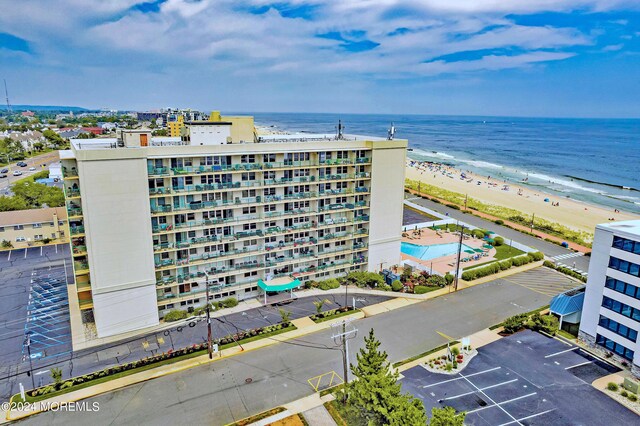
79 266
74 211
77 230
71 192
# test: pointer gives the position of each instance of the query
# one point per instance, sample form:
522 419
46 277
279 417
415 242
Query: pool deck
446 263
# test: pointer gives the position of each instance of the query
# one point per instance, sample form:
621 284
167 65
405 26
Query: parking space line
529 417
578 365
41 251
490 399
459 378
499 405
561 352
25 253
9 257
482 389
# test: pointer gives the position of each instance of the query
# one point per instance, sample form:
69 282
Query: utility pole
455 288
342 337
209 345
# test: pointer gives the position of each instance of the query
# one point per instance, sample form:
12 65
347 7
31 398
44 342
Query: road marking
490 399
25 252
41 251
9 257
40 372
459 378
578 365
482 389
530 417
499 405
561 352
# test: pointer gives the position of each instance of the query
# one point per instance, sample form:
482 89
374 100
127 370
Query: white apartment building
154 220
611 312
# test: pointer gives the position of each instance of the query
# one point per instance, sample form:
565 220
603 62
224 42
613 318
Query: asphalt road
236 387
549 249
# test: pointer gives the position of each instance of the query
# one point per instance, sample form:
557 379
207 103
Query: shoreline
577 215
591 192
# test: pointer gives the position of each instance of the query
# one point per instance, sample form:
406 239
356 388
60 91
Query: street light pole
33 382
209 345
458 260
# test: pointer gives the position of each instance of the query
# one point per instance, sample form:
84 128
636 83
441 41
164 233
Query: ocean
591 160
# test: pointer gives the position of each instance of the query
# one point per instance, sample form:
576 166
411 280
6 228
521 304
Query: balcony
74 211
81 267
72 192
79 250
77 230
163 263
363 160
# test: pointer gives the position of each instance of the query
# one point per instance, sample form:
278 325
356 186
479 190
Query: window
624 266
18 227
622 287
618 328
626 245
614 347
1 228
621 308
20 239
37 237
37 225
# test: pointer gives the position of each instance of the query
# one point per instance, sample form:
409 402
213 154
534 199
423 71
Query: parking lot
526 379
33 302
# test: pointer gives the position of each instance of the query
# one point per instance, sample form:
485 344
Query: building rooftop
568 302
631 227
21 217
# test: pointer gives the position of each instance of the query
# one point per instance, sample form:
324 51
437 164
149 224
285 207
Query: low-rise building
611 311
25 228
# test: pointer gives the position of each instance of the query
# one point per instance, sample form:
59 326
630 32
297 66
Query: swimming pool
433 251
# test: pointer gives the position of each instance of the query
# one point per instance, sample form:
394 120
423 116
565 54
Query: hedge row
152 360
495 267
330 313
565 271
177 314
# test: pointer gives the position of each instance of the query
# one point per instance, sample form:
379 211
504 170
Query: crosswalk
567 256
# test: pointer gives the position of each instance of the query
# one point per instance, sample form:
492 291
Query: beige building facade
26 228
152 223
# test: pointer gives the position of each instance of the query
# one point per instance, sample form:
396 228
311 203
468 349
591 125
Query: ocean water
589 160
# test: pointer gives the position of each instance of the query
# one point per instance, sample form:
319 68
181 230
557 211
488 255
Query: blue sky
559 58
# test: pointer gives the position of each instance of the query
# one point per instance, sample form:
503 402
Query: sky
550 58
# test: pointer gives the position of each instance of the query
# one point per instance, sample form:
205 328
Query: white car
17 173
32 169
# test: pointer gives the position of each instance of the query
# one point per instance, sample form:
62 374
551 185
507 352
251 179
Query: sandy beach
573 214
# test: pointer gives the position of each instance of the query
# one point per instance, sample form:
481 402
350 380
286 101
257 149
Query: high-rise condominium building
153 220
611 311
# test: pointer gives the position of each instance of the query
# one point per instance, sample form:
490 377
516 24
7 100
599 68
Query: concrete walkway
319 416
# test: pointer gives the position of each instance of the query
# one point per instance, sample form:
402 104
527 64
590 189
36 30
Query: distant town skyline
539 58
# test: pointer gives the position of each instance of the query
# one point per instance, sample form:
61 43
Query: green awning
278 285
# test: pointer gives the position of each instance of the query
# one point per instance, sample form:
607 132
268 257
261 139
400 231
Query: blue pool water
432 251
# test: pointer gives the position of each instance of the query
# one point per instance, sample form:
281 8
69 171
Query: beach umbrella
487 246
469 251
490 232
546 200
490 240
478 250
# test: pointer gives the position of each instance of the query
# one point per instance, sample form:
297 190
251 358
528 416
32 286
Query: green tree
6 244
376 394
285 315
53 138
446 416
8 204
319 304
56 375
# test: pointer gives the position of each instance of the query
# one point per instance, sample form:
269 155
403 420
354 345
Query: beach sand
573 214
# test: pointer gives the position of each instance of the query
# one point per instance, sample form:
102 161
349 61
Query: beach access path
549 249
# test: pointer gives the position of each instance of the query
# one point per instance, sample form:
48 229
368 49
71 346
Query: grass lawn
505 252
566 335
18 398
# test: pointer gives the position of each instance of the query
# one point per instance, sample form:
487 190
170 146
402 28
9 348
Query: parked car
32 169
17 173
21 164
3 176
4 171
